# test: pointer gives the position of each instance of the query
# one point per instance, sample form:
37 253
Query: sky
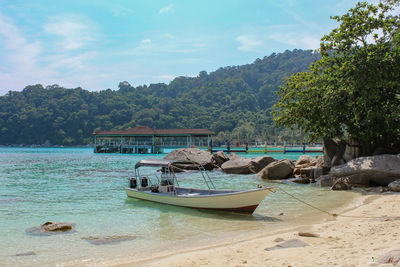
96 44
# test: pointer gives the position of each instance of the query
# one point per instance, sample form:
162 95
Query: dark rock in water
306 172
395 186
392 257
301 180
195 155
378 170
281 169
219 158
325 180
104 240
341 184
50 228
29 253
292 243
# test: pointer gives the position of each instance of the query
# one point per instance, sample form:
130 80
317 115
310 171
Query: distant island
234 102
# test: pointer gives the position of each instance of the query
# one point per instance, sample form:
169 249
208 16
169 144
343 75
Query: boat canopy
157 162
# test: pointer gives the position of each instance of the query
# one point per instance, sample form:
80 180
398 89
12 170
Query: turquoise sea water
75 185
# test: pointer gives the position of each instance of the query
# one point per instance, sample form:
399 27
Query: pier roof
147 131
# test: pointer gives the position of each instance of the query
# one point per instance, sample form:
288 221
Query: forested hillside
233 101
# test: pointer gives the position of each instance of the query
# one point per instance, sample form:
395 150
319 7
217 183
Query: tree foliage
234 99
350 93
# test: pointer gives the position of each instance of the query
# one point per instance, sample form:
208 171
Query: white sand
355 239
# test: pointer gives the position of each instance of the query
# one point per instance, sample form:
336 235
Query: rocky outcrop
308 167
237 165
257 164
194 155
341 184
304 159
392 257
50 228
374 170
325 180
241 165
395 186
277 170
219 158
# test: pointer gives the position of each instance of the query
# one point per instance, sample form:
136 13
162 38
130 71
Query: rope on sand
335 214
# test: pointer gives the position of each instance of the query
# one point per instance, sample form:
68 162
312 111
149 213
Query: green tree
350 92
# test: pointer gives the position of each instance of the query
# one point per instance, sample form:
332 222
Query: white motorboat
166 190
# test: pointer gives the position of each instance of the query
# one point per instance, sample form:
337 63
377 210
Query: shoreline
345 241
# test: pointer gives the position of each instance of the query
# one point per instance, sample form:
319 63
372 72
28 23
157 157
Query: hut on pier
142 139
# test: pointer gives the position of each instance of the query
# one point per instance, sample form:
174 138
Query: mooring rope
336 214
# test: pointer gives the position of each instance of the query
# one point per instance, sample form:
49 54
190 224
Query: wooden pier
145 140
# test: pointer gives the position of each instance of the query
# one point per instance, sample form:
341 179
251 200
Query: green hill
233 101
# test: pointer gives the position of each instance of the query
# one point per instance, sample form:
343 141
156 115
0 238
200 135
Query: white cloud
166 9
161 45
121 11
75 31
145 41
166 77
247 42
20 58
28 61
297 40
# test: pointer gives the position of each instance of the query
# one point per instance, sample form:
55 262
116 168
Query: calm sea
75 185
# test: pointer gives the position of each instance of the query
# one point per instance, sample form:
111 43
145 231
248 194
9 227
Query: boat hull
236 201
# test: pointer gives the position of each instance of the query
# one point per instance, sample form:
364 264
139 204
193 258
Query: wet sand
357 237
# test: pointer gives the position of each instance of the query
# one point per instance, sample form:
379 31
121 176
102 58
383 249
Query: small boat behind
165 189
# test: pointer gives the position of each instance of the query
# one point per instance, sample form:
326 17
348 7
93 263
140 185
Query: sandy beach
357 237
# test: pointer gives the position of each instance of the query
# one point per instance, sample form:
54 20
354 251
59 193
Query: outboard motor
132 182
144 182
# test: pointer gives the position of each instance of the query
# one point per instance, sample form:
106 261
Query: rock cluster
380 170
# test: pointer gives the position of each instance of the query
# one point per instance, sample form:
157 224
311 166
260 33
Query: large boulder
325 180
395 186
241 165
377 170
308 167
194 155
281 169
392 257
304 159
237 165
219 158
257 164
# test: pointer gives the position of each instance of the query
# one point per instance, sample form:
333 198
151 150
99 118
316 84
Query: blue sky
97 44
